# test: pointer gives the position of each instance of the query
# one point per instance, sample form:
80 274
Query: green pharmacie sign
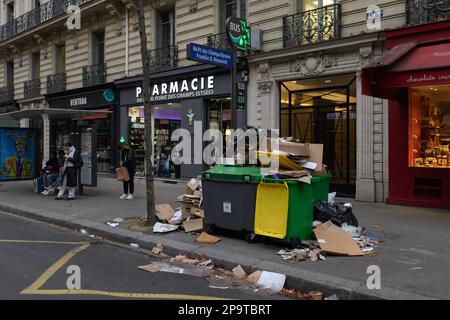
239 33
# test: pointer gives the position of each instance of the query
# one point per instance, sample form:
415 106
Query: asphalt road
35 258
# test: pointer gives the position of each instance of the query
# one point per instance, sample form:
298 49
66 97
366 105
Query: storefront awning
407 65
100 114
379 65
53 113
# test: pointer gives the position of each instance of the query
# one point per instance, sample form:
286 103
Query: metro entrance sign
208 55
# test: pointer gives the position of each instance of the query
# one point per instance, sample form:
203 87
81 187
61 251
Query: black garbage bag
336 212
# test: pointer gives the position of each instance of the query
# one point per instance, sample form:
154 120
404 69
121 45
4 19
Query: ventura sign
204 54
179 89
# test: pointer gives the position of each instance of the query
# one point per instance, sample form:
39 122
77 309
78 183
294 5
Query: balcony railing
32 88
219 41
94 75
427 11
35 17
6 94
312 26
163 59
56 83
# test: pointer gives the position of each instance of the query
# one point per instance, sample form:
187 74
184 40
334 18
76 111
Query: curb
296 278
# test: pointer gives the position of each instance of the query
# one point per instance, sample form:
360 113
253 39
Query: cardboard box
193 225
199 212
298 149
316 155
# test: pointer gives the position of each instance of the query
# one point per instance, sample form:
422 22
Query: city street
36 256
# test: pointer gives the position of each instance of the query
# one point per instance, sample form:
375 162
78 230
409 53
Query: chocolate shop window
429 127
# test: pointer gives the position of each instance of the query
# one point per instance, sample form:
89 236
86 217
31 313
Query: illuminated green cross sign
239 33
122 140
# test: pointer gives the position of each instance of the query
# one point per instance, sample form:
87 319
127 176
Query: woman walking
128 161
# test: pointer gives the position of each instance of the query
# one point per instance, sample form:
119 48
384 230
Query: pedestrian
128 161
71 160
51 171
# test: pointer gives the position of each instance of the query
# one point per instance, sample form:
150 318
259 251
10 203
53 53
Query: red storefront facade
414 74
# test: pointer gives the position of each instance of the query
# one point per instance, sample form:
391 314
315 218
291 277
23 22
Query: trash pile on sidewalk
336 232
188 217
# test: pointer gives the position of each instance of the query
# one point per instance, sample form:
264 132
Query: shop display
429 128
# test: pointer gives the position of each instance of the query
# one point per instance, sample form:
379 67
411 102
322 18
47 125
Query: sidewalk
414 258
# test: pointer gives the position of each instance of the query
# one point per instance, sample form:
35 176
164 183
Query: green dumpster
301 205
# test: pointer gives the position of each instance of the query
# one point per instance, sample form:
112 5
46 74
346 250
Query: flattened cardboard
164 212
205 238
199 212
150 268
316 155
333 239
185 210
193 225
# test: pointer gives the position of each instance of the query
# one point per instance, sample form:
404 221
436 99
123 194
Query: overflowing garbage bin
229 197
300 200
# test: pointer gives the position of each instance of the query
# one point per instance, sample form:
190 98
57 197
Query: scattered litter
254 277
239 273
373 237
206 263
134 245
164 212
112 225
367 249
150 268
332 239
184 259
354 231
317 223
177 217
336 212
83 231
312 295
118 220
331 197
205 238
216 287
193 225
417 268
158 249
92 236
332 297
271 280
163 228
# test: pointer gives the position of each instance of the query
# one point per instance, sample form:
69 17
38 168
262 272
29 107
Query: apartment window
35 66
98 47
10 11
165 28
306 5
231 8
9 73
36 4
60 59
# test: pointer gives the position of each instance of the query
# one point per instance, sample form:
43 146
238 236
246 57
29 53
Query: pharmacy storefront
179 99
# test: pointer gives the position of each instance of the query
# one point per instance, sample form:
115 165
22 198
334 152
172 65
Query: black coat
128 161
71 172
72 177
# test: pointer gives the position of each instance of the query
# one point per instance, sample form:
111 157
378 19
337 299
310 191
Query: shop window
429 126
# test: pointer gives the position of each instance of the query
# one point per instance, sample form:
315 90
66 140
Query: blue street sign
208 55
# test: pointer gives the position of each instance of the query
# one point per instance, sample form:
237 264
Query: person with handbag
72 163
127 161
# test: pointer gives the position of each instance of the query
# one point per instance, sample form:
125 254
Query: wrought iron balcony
219 41
163 59
312 26
35 17
32 88
56 82
94 75
6 94
427 11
